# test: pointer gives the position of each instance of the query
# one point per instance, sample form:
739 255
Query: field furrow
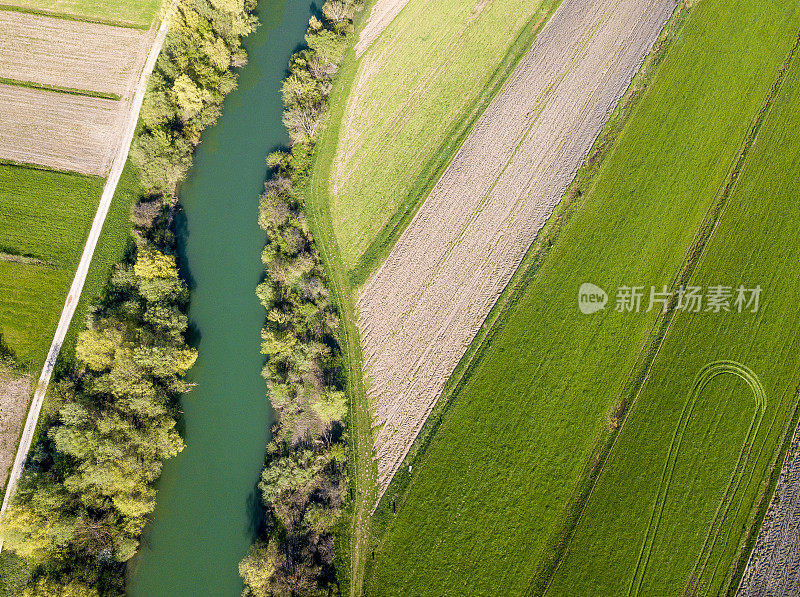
71 54
774 565
425 304
59 130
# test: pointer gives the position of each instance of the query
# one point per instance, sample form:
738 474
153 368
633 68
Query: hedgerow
304 485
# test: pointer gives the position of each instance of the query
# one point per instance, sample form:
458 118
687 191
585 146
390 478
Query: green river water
208 508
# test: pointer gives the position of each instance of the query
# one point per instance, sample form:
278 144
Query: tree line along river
207 506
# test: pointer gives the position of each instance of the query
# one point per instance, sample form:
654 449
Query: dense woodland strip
304 486
87 490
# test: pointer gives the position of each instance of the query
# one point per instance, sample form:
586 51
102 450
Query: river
207 506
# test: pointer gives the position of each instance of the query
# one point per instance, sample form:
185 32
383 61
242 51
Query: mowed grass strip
414 96
113 245
46 215
126 13
755 244
490 495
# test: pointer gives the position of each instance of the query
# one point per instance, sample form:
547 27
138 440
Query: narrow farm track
83 267
381 15
423 307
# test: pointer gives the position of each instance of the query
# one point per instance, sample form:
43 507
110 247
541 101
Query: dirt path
86 258
424 306
381 15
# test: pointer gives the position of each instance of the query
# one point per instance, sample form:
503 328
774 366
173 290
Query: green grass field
755 243
43 213
493 491
130 13
47 216
412 98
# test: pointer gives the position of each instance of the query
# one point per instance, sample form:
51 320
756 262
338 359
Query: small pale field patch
59 130
15 391
71 54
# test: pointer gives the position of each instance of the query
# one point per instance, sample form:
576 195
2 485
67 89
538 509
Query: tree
188 96
97 347
47 587
332 407
258 568
151 263
303 121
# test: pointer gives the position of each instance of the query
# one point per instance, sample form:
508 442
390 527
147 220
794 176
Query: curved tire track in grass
704 377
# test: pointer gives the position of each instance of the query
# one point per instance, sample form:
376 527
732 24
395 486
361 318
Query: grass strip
83 18
58 89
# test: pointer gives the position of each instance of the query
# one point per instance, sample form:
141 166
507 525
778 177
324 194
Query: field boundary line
651 347
43 168
59 89
83 267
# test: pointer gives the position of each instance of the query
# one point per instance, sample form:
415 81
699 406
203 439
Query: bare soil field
60 130
381 15
774 564
72 54
15 392
422 308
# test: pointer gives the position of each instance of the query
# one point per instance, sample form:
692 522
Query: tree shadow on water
256 512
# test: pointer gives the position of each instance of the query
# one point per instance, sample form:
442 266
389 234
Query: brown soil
774 565
424 306
15 392
71 54
60 130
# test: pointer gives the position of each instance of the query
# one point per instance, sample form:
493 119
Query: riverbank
113 417
208 510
